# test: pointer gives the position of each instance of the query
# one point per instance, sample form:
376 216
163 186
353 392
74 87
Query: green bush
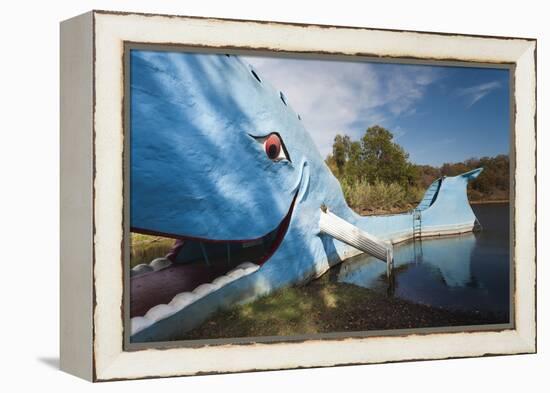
361 195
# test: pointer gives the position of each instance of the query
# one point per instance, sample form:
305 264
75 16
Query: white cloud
475 93
345 97
398 132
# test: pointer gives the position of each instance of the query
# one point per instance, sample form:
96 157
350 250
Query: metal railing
345 232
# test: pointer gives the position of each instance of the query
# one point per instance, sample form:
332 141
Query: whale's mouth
195 268
228 252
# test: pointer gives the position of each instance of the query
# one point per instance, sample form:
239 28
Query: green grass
145 248
293 310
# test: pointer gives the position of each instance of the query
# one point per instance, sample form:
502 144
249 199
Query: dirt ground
322 307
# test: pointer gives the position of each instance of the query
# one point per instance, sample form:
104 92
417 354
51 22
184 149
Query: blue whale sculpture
218 157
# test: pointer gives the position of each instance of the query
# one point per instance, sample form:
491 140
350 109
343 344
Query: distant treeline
377 176
493 184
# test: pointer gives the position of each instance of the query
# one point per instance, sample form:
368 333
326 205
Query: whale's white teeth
246 265
203 290
160 263
332 225
158 312
139 323
141 269
155 265
184 299
221 281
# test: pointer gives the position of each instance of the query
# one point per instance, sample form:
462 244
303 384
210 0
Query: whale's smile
269 242
211 265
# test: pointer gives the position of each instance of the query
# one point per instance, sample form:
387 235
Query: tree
340 151
353 169
384 160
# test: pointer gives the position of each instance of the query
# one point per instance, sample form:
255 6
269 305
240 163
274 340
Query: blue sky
438 114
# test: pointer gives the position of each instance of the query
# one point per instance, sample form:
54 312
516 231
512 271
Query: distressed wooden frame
92 189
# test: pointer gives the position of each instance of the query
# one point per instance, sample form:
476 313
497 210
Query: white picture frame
92 194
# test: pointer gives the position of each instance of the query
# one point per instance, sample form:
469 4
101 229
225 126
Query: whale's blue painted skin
198 170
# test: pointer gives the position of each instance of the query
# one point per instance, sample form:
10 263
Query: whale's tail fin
430 195
473 174
433 191
445 208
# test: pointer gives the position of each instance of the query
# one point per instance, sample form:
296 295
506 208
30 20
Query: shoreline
490 202
399 210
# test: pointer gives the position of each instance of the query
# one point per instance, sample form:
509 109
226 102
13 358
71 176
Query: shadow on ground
52 362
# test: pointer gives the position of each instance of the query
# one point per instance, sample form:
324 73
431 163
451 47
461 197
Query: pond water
469 272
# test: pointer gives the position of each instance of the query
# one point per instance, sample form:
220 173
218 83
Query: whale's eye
272 146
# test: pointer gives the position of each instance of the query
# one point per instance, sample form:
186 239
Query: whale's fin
473 174
430 195
433 191
445 208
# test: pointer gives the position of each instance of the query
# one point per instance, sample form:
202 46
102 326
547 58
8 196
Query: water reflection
466 272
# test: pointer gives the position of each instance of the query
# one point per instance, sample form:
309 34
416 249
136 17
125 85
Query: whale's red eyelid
274 146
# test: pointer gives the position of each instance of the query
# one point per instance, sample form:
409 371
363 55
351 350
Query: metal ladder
417 234
477 226
417 224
